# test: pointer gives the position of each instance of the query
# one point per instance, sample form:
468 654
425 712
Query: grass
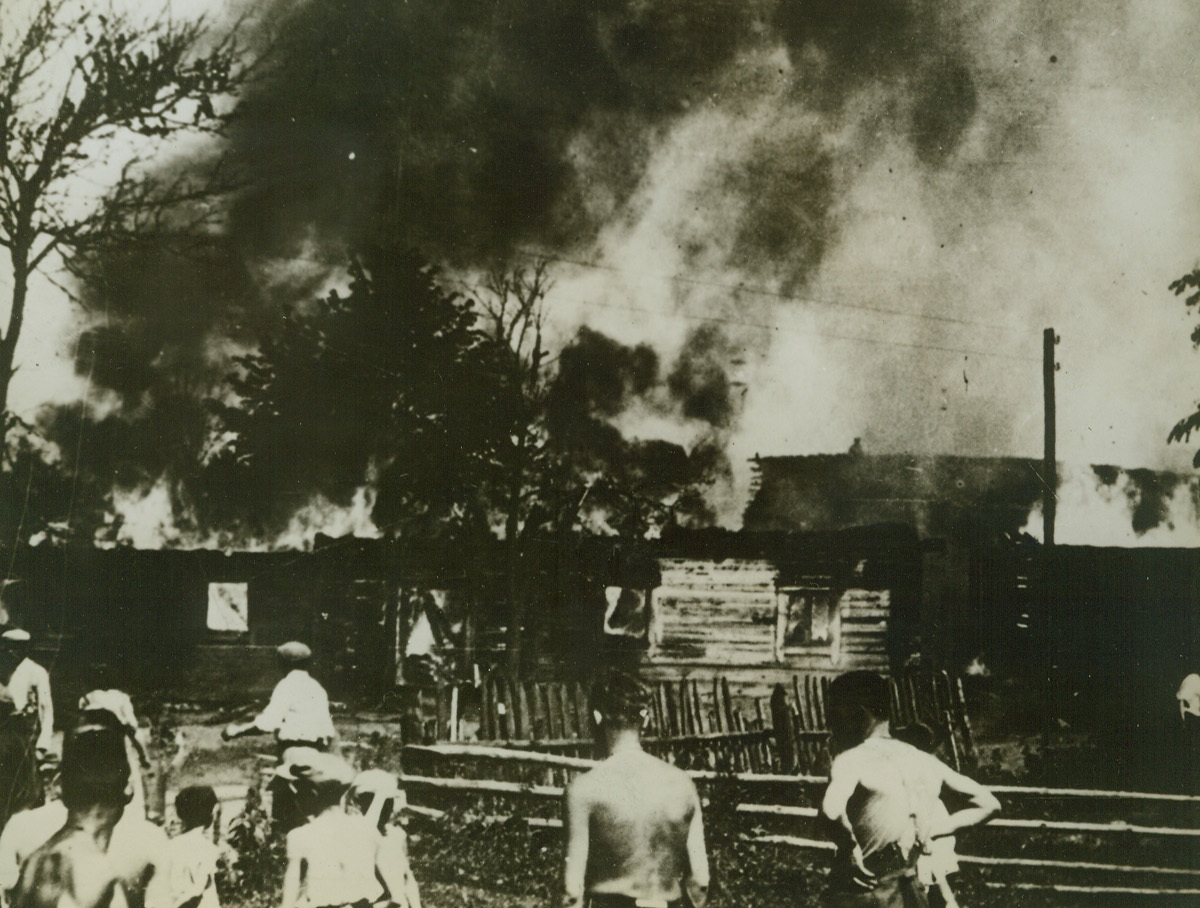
465 859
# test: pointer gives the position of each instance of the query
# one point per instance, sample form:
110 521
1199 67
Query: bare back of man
636 829
70 871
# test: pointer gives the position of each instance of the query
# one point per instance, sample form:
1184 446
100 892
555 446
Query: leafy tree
559 468
456 412
1189 284
86 97
37 494
387 385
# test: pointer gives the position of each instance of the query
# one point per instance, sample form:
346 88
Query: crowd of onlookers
634 830
76 832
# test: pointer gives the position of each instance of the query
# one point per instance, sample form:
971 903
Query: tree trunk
8 345
516 595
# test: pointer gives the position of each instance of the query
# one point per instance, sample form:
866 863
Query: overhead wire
761 291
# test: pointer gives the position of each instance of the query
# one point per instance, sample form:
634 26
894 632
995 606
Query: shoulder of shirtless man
635 829
69 871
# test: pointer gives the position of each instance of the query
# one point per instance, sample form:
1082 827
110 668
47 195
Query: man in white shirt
298 714
30 686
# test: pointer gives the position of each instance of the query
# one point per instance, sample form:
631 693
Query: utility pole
1050 464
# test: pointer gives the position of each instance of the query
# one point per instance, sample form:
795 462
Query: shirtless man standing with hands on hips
635 838
880 803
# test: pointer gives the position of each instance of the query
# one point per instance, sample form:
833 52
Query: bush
253 874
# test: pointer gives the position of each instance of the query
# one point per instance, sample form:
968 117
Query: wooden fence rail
758 802
692 722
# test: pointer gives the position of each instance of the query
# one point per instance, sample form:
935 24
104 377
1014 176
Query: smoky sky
454 124
472 128
469 130
951 161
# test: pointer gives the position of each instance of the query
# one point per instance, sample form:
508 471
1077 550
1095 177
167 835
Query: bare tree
88 98
514 317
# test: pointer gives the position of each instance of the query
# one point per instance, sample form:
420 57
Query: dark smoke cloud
699 381
161 313
856 43
470 130
1149 495
598 376
457 125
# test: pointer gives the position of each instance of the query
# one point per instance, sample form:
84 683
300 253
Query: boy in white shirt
186 877
298 712
333 857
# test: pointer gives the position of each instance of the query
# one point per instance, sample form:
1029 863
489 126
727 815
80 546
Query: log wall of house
724 618
714 612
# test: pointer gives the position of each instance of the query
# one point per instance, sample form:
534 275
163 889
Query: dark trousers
285 813
896 884
625 901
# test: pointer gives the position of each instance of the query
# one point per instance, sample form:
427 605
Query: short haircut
620 697
918 734
313 797
863 689
95 768
194 805
12 595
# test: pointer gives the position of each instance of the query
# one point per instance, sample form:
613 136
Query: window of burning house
229 607
805 616
628 613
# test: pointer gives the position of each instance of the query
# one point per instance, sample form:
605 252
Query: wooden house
758 608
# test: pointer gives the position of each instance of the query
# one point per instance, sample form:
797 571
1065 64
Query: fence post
785 737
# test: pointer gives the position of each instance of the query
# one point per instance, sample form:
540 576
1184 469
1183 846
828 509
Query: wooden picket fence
699 724
693 723
932 698
1077 843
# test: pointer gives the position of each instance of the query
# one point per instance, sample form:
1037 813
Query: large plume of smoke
749 186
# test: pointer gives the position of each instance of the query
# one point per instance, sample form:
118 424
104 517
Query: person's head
293 655
857 702
918 734
14 646
196 807
620 701
94 771
377 796
16 640
101 675
319 780
12 593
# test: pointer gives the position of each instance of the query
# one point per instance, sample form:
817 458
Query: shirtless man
879 800
133 849
73 868
635 838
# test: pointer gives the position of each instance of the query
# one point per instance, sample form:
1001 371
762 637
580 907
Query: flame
1093 512
322 516
145 518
